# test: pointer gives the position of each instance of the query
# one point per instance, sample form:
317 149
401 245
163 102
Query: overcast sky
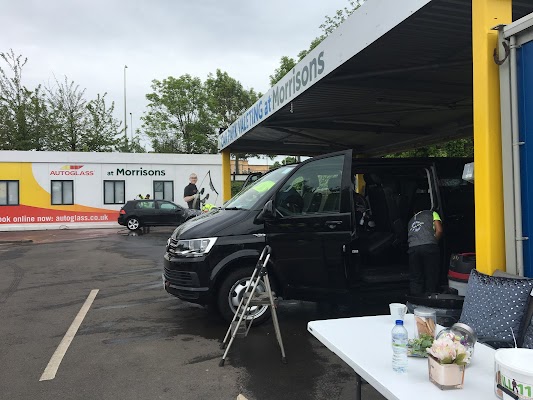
90 42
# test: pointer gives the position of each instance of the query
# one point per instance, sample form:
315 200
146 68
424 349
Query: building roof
395 75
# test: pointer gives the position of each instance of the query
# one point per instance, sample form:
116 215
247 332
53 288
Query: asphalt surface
136 341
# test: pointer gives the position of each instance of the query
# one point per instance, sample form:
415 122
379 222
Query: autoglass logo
71 170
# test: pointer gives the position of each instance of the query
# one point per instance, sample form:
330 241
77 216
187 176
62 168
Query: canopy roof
394 76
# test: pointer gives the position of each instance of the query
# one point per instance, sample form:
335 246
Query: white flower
449 350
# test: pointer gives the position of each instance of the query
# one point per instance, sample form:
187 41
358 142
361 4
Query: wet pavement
136 341
58 235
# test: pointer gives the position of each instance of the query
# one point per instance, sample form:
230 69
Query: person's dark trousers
424 267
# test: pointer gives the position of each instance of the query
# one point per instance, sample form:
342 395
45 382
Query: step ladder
240 325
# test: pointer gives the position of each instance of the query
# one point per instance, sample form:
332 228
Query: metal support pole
358 384
131 126
226 175
488 187
517 185
125 113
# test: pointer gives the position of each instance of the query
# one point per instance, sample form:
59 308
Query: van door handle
333 224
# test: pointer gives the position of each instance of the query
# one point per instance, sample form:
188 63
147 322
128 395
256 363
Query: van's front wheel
230 294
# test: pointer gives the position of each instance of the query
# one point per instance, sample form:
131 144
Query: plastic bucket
514 371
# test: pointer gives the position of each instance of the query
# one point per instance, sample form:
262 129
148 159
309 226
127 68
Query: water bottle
399 348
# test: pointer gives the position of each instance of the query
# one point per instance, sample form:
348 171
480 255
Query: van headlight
195 247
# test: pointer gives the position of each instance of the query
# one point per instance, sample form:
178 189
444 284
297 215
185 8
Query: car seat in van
311 197
384 200
334 196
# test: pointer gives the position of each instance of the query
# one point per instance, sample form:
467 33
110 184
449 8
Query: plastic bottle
399 348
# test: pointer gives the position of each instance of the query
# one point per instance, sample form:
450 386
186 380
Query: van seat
375 243
332 203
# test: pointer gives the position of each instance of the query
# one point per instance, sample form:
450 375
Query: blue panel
525 102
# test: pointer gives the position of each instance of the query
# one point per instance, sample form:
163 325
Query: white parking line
51 369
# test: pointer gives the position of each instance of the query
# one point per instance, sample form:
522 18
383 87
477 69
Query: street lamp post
125 113
131 126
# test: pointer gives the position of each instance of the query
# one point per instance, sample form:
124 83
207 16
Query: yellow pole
488 186
226 176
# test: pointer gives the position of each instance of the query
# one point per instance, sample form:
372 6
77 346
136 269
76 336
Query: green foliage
178 118
285 161
289 160
455 148
101 128
226 98
339 17
67 106
227 101
58 118
329 25
285 65
21 110
236 187
418 347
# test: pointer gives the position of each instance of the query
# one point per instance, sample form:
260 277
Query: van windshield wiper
233 208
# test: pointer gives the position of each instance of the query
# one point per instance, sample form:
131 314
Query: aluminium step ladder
241 324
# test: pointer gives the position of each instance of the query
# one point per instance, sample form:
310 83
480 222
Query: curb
16 241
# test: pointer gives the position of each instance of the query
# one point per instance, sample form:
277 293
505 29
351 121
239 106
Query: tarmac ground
135 341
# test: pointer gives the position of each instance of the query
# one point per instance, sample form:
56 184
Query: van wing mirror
267 212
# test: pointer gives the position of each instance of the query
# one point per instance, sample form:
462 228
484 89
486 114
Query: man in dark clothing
190 193
424 232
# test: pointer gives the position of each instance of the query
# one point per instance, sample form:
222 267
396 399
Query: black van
337 226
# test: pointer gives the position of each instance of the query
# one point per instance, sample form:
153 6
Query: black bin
461 265
448 307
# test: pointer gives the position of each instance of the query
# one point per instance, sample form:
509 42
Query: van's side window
314 188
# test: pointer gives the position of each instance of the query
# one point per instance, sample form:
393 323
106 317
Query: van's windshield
255 193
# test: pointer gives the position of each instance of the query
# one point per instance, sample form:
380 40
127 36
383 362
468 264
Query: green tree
456 148
22 111
330 24
77 124
102 129
285 65
227 100
68 111
276 164
178 118
289 160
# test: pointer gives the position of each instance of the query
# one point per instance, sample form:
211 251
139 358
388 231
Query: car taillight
122 212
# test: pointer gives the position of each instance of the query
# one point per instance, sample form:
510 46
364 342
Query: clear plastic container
426 321
463 334
399 348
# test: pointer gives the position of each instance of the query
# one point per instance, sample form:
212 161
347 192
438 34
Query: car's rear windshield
255 194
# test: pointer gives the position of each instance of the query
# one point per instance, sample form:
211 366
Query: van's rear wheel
230 294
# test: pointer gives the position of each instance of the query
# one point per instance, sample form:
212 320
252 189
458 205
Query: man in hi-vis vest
424 232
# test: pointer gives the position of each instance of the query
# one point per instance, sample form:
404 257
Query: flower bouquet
447 358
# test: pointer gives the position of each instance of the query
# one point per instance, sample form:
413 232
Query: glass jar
463 334
426 321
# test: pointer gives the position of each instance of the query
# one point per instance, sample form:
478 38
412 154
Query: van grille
182 278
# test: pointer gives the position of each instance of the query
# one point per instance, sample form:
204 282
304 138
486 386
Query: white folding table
364 343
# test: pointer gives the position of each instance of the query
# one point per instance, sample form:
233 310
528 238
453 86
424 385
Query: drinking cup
397 311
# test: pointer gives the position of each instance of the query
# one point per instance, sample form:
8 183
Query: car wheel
133 224
230 294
